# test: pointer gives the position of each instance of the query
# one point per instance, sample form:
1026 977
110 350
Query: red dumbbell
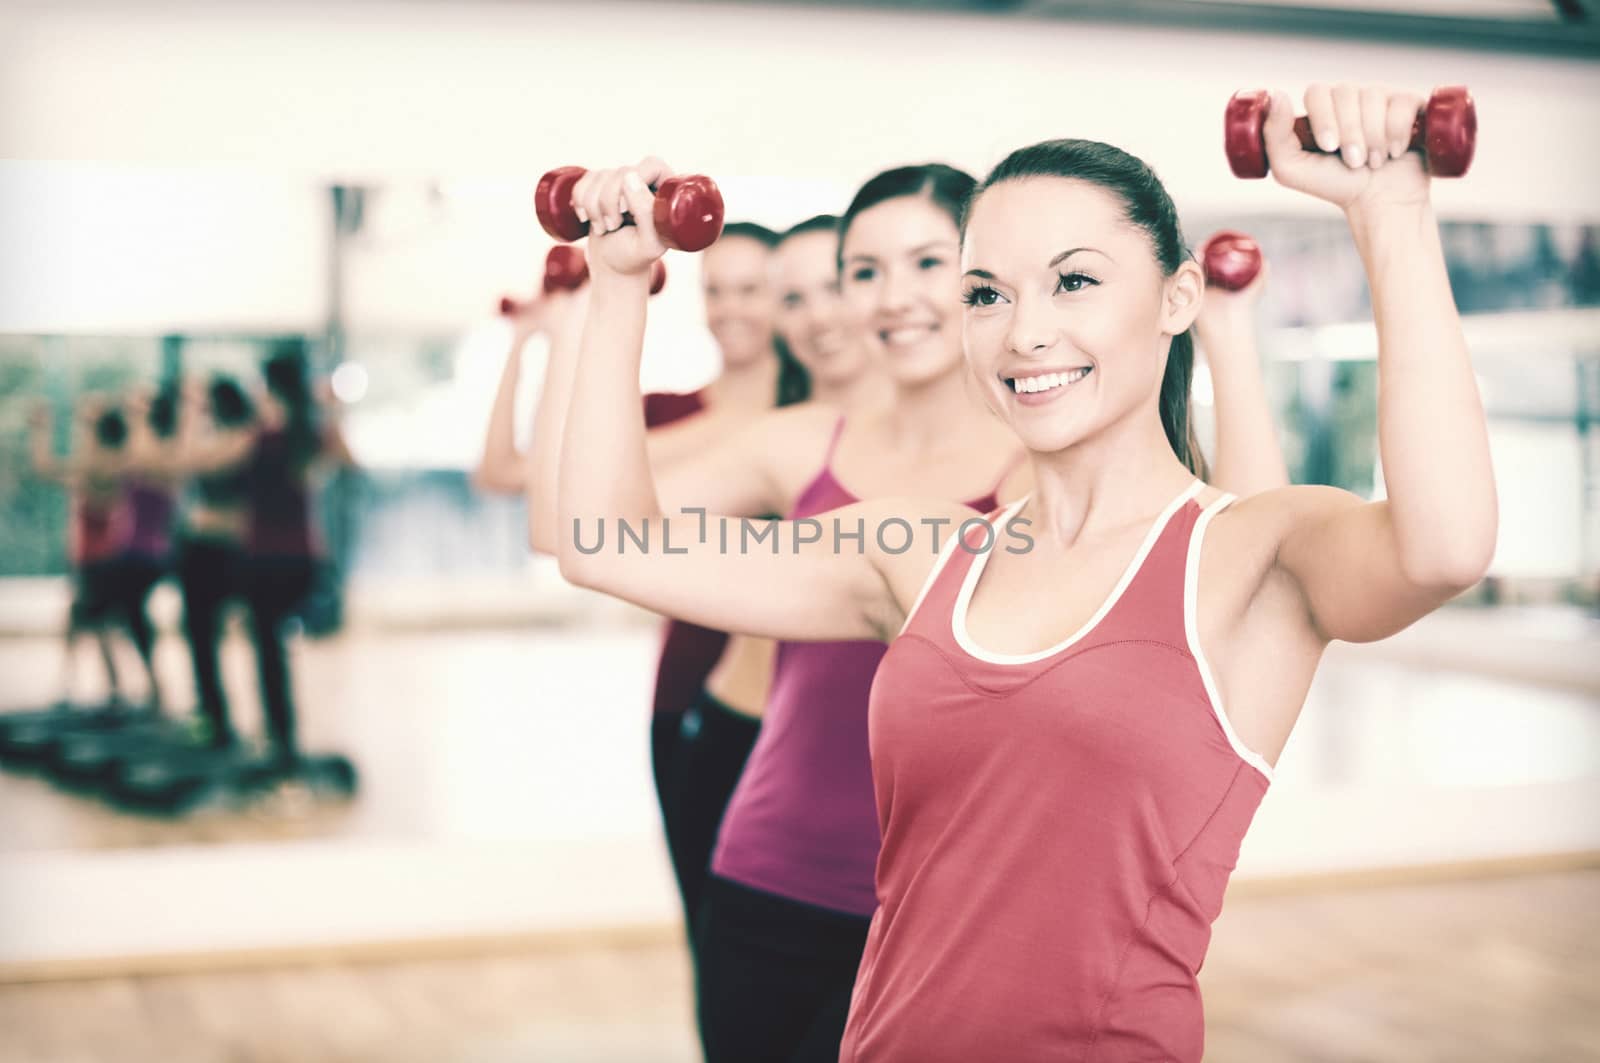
688 209
566 270
1231 260
1446 132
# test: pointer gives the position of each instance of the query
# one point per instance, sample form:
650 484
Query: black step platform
176 782
29 740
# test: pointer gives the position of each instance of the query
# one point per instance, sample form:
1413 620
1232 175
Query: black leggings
774 976
698 756
208 574
120 590
274 588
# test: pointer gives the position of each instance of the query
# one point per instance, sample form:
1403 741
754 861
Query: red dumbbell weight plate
1450 131
1242 122
688 212
565 269
552 202
1231 260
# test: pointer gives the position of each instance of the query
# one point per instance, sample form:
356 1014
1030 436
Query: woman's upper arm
498 478
735 471
777 579
1343 554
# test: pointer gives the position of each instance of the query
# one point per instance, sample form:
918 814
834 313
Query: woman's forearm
1432 433
1249 456
541 466
604 468
42 453
501 468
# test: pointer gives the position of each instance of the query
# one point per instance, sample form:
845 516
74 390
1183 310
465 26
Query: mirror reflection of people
259 472
91 473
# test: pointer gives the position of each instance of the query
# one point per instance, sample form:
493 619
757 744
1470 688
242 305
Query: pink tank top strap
833 443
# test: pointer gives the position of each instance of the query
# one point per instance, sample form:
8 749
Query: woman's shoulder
801 422
1245 537
1273 513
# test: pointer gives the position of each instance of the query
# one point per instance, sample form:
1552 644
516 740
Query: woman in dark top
282 545
211 543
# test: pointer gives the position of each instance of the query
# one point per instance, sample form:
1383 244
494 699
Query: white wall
789 107
115 247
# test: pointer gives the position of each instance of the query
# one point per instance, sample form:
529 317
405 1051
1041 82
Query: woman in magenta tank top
1072 728
148 505
92 475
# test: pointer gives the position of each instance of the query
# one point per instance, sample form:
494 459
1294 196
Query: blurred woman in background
218 429
148 505
758 374
91 473
283 547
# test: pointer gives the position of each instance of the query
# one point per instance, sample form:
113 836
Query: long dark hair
111 429
287 373
794 380
163 415
1146 205
945 187
230 406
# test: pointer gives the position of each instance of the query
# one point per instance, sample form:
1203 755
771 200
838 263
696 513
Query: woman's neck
1106 482
751 386
935 411
862 391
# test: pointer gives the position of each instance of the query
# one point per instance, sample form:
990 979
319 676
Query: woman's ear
1185 290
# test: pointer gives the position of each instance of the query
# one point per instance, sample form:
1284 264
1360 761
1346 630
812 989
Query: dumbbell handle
1308 140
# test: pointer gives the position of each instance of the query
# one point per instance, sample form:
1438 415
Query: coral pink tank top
1058 827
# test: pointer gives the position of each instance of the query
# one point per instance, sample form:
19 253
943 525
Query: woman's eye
863 274
982 295
1075 282
929 262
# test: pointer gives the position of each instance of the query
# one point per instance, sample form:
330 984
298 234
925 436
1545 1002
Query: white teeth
1046 381
905 335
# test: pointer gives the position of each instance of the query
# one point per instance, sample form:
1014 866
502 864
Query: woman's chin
1044 432
743 357
920 367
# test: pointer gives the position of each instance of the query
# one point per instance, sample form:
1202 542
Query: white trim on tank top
1191 630
958 615
927 584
